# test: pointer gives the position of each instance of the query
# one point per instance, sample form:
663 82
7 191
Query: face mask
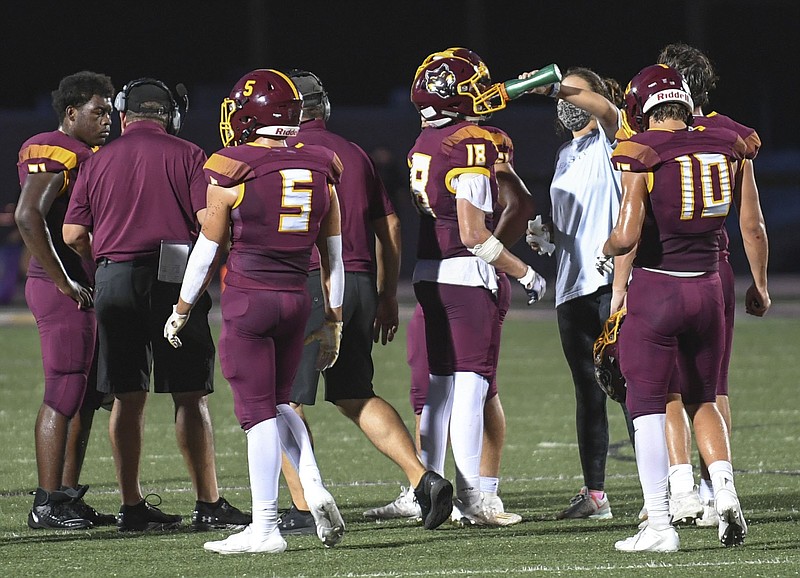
572 117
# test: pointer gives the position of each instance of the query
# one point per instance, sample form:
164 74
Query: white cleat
330 525
483 514
246 542
648 539
685 508
732 526
710 518
404 506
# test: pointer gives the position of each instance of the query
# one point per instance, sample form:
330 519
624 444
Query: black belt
145 261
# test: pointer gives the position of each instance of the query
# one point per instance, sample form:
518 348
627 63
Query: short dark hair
78 89
671 110
694 66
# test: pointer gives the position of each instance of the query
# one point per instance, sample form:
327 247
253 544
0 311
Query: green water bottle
511 89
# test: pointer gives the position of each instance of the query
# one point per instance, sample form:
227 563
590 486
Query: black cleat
144 517
52 510
218 516
435 498
84 510
296 522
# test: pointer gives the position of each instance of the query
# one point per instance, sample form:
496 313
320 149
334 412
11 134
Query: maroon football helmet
655 84
453 83
264 102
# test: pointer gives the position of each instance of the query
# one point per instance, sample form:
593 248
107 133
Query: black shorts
132 307
351 376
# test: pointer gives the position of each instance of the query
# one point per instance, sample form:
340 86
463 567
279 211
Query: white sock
489 485
296 443
653 466
435 422
264 465
706 490
466 433
721 473
681 479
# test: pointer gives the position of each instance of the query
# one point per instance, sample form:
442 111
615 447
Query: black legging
580 322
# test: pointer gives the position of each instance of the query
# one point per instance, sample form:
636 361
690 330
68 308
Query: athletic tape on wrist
197 268
489 250
336 298
554 88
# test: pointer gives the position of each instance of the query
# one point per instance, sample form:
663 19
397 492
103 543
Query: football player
454 189
369 311
685 502
273 203
513 209
678 185
59 294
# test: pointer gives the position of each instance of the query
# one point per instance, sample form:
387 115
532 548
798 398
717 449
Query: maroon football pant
67 336
671 321
260 346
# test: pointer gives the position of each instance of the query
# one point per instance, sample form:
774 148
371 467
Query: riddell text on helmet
671 95
286 131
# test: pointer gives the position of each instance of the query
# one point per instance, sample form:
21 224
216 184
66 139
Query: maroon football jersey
284 195
55 152
505 154
692 176
362 196
439 155
751 139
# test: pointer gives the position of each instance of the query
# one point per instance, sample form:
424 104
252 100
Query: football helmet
314 94
263 102
454 83
606 360
655 84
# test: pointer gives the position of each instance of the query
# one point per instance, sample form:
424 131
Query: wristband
554 88
489 250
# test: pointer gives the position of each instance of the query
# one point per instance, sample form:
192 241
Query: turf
540 473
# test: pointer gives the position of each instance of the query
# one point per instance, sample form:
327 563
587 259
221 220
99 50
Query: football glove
174 324
534 284
538 237
606 359
329 337
604 263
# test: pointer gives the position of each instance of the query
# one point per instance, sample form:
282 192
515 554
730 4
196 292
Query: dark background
366 54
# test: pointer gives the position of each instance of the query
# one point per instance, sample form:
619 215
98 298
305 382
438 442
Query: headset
177 110
314 94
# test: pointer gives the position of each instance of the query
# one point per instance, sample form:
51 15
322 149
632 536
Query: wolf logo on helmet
441 81
454 84
264 102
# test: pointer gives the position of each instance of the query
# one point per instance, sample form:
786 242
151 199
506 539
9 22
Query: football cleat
246 542
732 526
330 525
218 516
685 508
648 539
583 505
481 514
434 495
52 510
404 506
295 522
144 517
710 518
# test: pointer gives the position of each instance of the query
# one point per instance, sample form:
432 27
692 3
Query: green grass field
540 474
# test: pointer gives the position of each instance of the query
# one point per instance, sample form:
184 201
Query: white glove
329 337
538 235
174 324
534 284
604 263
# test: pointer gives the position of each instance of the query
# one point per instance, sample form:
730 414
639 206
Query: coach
143 200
